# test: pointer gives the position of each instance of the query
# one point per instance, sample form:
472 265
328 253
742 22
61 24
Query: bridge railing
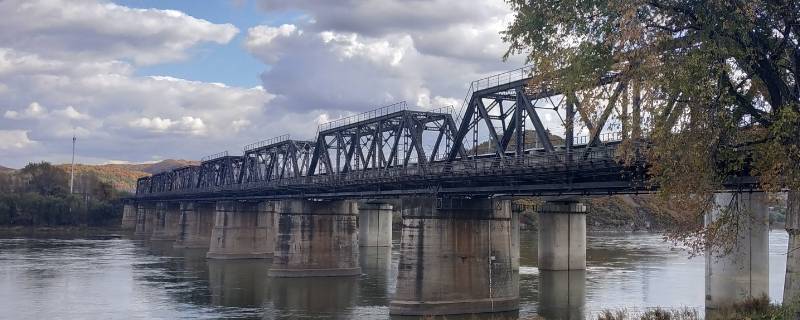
214 156
267 142
382 111
604 137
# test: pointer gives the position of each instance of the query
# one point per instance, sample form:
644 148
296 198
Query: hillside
123 176
531 141
5 169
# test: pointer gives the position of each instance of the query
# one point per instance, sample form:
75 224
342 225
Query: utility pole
72 168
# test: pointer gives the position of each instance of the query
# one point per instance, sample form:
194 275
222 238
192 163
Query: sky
145 80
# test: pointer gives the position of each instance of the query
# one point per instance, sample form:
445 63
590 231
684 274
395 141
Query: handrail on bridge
446 110
267 142
382 111
604 137
493 81
214 156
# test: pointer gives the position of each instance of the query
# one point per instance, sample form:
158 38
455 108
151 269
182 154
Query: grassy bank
752 309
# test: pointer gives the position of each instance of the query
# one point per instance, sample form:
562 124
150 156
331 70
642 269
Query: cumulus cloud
96 29
72 68
34 110
14 139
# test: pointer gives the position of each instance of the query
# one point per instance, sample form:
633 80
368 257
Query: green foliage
38 195
718 81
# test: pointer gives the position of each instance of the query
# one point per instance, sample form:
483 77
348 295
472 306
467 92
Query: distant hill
5 169
123 176
531 141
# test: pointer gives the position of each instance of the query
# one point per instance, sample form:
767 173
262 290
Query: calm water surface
121 278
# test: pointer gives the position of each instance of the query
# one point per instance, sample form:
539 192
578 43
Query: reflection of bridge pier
455 257
377 281
562 294
318 296
238 283
743 272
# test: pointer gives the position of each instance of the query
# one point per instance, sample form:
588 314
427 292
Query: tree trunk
791 287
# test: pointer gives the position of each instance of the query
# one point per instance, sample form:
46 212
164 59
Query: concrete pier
515 240
316 239
168 215
145 219
128 216
240 231
743 272
374 224
562 236
455 258
196 224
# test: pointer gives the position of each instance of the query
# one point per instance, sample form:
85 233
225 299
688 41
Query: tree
45 179
713 85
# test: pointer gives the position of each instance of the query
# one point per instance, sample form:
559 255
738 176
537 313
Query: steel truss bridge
395 151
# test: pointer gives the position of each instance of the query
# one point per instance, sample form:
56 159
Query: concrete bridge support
145 219
240 231
316 239
374 224
168 215
562 236
455 258
196 223
743 272
129 216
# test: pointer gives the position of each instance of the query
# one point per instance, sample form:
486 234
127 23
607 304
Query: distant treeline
39 195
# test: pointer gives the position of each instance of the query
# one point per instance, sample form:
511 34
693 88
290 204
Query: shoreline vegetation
751 309
39 195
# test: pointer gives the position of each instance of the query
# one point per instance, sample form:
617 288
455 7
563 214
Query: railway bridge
309 204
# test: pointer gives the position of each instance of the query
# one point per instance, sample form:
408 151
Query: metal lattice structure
497 144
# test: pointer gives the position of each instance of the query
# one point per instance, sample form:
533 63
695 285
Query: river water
121 278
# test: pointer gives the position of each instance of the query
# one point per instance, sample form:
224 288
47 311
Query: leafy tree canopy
714 78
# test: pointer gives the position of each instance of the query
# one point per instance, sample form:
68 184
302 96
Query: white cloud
14 139
34 110
98 29
154 124
240 124
70 113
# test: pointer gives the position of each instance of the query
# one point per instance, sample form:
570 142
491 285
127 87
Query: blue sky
228 63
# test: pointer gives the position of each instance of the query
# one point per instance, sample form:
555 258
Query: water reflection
314 297
511 315
377 278
562 294
78 278
238 283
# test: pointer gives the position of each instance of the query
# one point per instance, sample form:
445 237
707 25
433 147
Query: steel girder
281 158
400 139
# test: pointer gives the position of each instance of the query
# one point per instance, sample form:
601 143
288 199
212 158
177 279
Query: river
115 277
